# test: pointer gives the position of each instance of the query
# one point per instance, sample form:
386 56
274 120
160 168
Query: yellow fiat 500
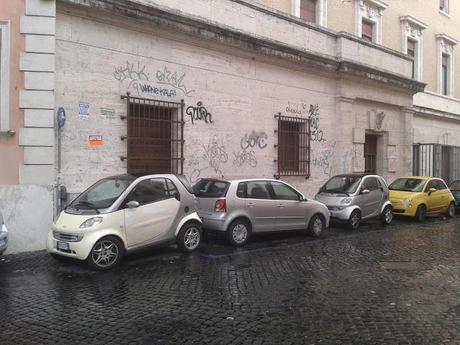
419 196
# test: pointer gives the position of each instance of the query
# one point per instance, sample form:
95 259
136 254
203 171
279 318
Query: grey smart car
3 235
241 207
356 197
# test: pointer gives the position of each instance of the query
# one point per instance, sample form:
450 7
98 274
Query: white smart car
123 213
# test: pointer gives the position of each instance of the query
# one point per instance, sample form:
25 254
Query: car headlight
408 202
345 201
91 222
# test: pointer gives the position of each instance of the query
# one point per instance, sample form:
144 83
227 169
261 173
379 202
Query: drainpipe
60 188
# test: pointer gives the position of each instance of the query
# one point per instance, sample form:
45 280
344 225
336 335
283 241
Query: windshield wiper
87 203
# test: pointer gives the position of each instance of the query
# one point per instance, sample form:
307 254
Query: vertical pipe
182 138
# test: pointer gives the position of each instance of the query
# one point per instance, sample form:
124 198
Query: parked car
419 196
242 207
122 213
455 189
3 235
356 197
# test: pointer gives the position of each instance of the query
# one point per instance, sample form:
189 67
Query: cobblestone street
393 285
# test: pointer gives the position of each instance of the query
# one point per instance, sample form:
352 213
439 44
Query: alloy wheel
317 226
388 216
192 238
239 233
105 253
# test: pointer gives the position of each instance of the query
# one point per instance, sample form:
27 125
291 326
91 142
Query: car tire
420 214
189 237
316 226
451 210
238 232
355 219
106 253
387 215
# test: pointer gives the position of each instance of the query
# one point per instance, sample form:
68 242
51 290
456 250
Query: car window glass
440 185
257 190
172 190
431 184
149 191
371 184
209 188
240 191
283 192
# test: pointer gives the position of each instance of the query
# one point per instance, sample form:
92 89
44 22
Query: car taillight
220 206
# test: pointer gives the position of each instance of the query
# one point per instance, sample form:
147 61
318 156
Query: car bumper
76 249
3 239
342 214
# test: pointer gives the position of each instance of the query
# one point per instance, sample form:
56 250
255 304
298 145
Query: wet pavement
398 284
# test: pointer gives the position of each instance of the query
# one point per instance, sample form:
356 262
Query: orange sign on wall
95 140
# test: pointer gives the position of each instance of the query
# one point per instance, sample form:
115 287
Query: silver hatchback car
356 197
241 207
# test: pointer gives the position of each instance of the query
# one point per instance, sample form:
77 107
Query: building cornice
230 37
413 22
447 38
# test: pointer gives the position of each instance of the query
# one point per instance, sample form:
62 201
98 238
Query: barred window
293 146
155 136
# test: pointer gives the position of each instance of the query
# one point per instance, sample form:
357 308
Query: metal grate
293 146
437 160
155 140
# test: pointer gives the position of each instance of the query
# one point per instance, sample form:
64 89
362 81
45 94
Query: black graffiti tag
254 139
199 113
130 71
316 133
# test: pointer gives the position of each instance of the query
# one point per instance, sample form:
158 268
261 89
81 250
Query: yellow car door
433 197
445 196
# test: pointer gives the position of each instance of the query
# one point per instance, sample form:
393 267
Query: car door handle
281 206
250 204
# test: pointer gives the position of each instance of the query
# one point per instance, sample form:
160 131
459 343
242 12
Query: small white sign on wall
83 109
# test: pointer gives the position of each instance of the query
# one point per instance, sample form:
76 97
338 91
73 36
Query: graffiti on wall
199 113
244 157
317 133
140 80
254 140
323 160
174 79
210 156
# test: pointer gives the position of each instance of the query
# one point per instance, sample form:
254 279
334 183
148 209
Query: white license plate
62 246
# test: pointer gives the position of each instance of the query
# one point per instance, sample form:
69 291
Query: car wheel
238 232
387 215
106 253
355 219
420 215
451 210
316 225
189 237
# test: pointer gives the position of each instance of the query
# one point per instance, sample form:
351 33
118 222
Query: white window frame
446 45
412 28
447 8
5 38
321 11
371 11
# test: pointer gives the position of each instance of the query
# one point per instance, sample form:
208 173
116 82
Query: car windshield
408 184
344 184
102 194
208 188
455 186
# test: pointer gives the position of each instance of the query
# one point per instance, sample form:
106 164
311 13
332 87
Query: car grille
60 236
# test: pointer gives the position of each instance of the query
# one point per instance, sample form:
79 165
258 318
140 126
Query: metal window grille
370 154
293 146
155 140
437 160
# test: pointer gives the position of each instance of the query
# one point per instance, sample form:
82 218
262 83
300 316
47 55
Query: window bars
293 146
155 136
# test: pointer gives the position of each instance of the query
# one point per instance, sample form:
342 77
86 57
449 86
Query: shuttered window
308 10
367 30
154 136
445 74
293 146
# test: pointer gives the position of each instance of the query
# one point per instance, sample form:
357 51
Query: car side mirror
365 191
431 190
302 198
133 204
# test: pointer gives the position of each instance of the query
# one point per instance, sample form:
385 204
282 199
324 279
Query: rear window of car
208 188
